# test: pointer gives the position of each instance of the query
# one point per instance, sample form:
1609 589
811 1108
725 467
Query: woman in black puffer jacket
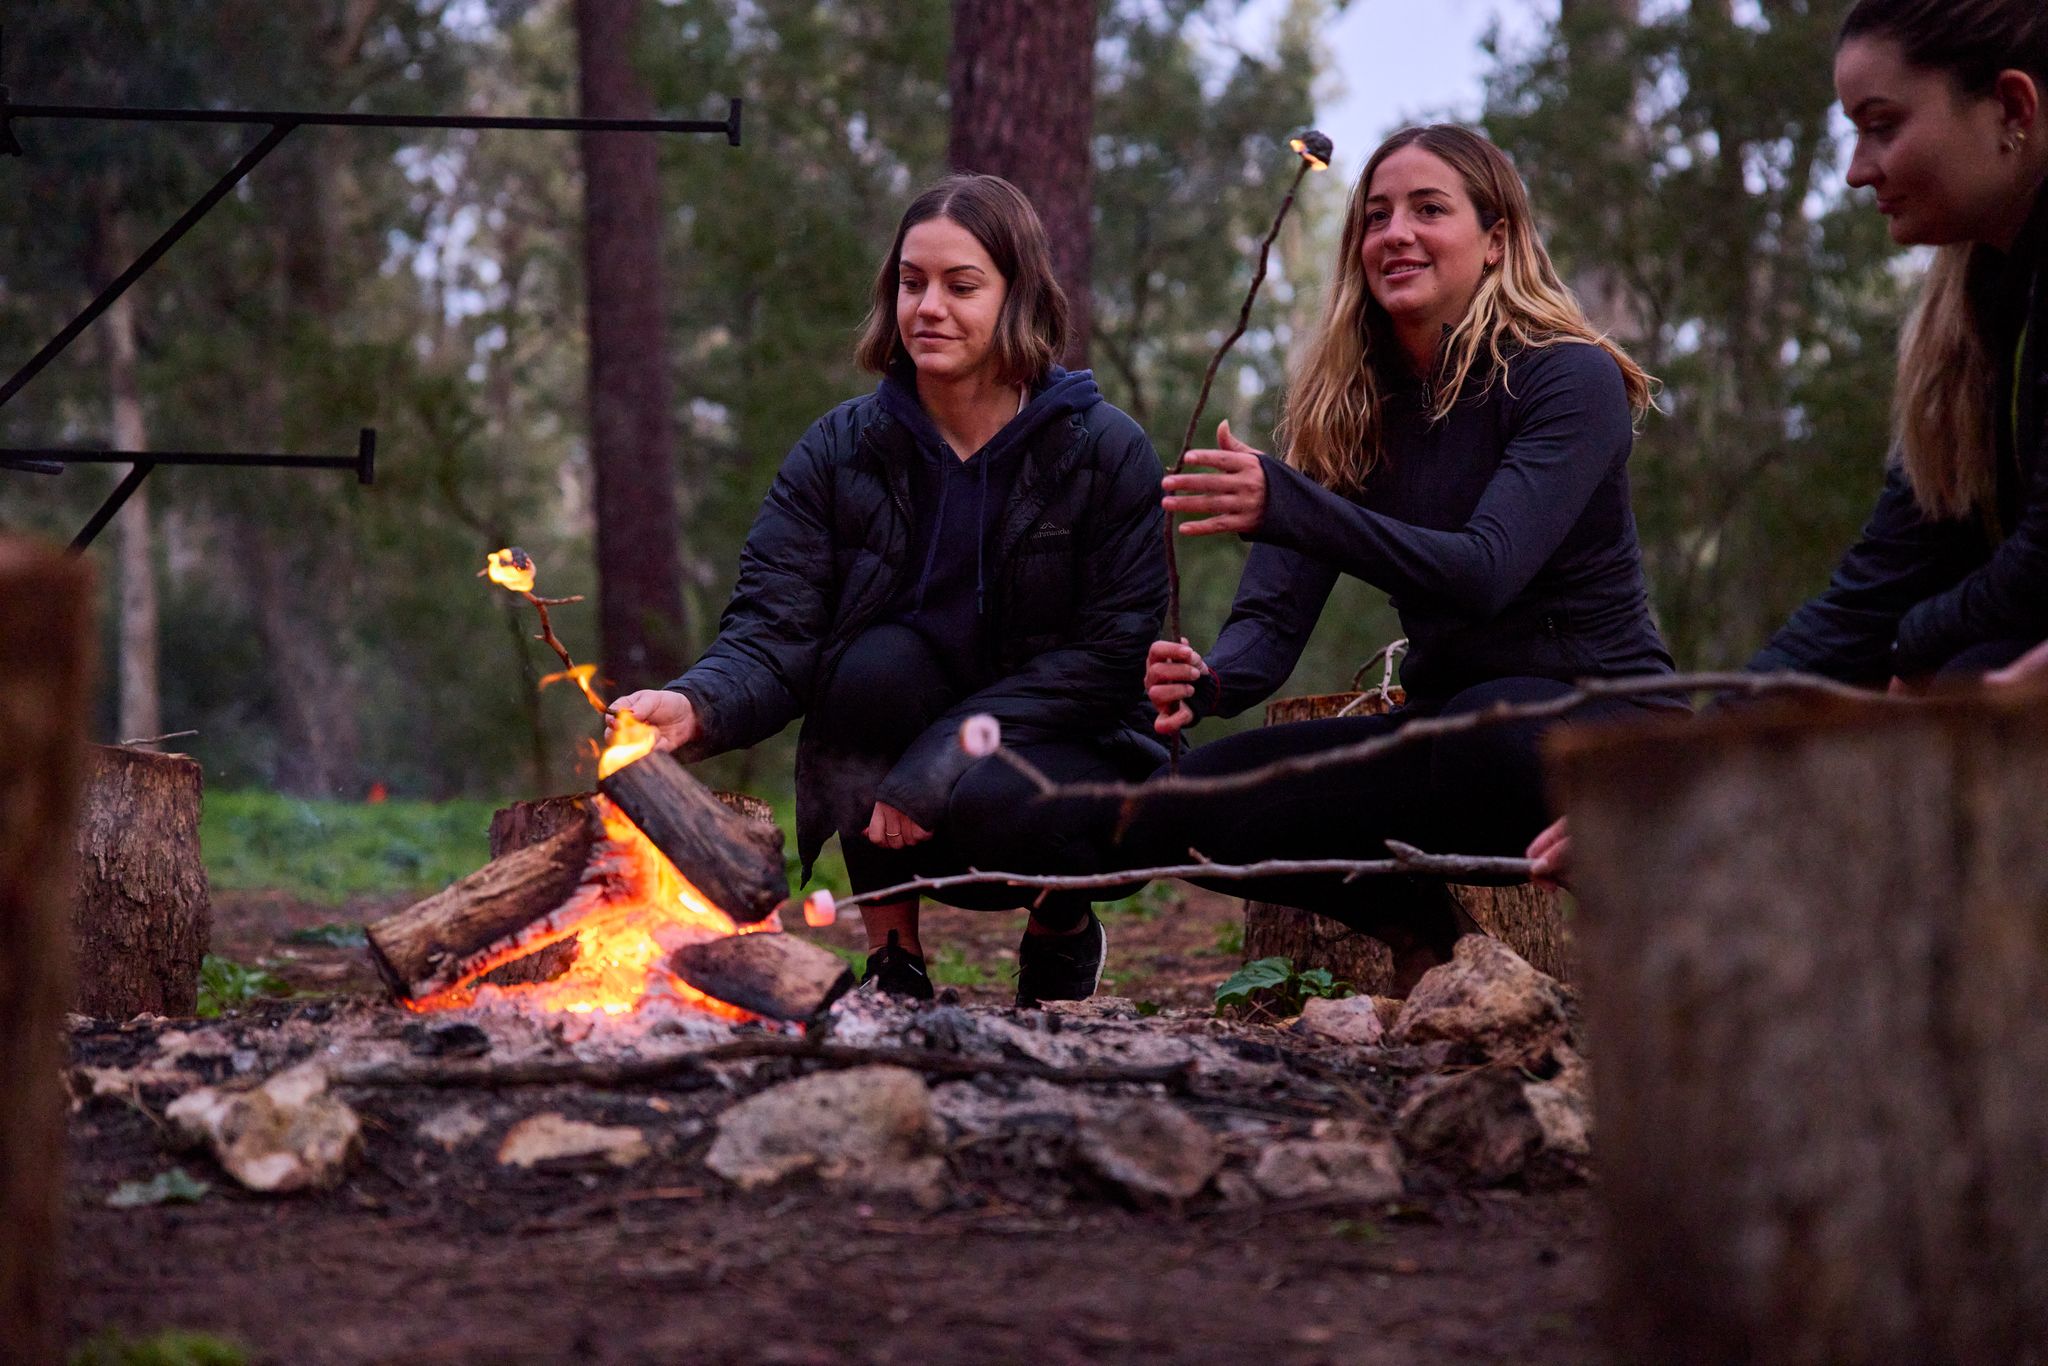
978 535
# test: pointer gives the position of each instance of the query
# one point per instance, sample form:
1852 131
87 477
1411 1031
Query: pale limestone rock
866 1127
286 1134
550 1136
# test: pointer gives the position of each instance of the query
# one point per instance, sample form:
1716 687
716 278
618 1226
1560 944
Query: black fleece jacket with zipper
1502 533
1043 599
1915 591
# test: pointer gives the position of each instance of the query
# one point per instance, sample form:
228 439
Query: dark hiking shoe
1061 967
895 971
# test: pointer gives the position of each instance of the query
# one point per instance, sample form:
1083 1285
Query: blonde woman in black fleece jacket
1950 576
1458 436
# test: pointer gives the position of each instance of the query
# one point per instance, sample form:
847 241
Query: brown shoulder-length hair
1334 426
1032 332
1946 437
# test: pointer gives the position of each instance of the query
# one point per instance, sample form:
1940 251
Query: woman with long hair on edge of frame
1457 435
1949 580
978 535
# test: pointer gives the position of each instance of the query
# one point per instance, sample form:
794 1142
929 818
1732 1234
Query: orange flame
580 676
510 568
632 740
631 912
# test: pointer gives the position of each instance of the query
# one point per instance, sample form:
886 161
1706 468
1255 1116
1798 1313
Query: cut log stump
1528 919
776 975
45 639
142 916
736 862
1816 948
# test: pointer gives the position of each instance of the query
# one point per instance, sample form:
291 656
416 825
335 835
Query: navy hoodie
956 506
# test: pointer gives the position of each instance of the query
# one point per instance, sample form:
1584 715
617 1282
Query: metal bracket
282 122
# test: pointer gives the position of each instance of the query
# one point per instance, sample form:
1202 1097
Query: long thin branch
1427 728
559 1071
1408 861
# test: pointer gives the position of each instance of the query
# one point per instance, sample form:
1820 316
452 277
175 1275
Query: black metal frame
282 123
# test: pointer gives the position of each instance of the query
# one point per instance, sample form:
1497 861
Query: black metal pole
156 249
729 125
114 503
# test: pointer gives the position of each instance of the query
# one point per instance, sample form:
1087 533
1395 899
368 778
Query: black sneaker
1061 967
895 971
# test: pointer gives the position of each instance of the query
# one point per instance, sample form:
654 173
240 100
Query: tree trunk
143 915
1818 967
1022 79
639 553
140 716
1527 919
46 637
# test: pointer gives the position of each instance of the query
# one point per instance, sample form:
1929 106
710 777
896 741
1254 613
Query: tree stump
1816 945
1528 919
143 916
45 637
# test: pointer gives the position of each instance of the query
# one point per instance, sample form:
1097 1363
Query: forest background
330 641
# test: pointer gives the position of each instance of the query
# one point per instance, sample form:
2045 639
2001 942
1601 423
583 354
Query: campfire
645 891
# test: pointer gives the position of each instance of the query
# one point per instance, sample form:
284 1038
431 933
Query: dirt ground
428 1261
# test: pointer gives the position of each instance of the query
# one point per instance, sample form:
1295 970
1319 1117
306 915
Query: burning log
431 946
735 862
46 639
523 823
143 916
776 975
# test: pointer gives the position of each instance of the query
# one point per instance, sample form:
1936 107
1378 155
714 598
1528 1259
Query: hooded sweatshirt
956 506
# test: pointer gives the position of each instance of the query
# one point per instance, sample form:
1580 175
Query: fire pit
598 916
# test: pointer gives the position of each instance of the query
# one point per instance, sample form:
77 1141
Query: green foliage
1359 1231
329 851
227 985
1146 904
1229 938
951 967
174 1187
170 1348
1274 982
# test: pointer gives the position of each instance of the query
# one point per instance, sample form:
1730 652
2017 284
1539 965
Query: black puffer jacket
1076 590
1914 592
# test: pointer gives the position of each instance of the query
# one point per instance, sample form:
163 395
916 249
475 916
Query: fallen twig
626 1072
1407 861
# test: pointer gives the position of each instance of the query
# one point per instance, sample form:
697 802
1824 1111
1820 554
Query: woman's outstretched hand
1170 674
668 712
1232 499
1551 852
891 829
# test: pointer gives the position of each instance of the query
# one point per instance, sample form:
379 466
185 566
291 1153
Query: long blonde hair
1334 430
1940 406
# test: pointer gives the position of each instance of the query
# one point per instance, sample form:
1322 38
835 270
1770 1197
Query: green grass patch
227 985
327 852
110 1348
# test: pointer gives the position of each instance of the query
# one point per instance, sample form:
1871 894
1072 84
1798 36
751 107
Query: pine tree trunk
143 915
1022 79
1528 919
639 554
46 637
140 715
1817 955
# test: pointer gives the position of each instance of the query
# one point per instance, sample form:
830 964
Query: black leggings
1475 792
889 687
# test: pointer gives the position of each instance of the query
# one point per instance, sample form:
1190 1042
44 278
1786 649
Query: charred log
434 944
734 861
776 975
